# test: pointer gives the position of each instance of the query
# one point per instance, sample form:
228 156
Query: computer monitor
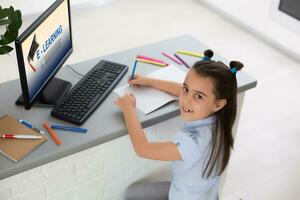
41 51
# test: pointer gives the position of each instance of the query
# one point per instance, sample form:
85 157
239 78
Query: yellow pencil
151 62
190 53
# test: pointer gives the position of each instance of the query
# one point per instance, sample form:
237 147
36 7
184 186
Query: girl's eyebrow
196 90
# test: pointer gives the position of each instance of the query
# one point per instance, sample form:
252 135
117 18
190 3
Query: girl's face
196 99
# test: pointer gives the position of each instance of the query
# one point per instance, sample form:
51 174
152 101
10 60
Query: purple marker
182 61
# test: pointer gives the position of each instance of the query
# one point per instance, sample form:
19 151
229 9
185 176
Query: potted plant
12 21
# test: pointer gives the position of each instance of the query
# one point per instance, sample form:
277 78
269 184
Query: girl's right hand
139 80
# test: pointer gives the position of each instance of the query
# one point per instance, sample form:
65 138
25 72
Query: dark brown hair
225 87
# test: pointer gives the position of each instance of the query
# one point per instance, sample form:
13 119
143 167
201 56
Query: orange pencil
54 136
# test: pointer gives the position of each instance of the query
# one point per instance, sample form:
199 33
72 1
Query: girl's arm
143 148
170 87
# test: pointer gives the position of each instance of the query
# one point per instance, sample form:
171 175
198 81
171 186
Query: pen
173 59
152 62
26 123
150 59
13 136
132 74
182 61
53 135
68 128
190 53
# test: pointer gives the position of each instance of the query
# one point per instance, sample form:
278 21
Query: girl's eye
184 89
198 96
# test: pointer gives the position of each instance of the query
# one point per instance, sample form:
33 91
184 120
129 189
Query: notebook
16 149
149 99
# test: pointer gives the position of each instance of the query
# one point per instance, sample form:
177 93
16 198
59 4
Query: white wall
38 6
255 16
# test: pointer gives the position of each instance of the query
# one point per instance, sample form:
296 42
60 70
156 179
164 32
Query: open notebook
149 99
16 149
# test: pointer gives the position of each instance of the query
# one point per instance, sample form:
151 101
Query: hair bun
208 53
236 64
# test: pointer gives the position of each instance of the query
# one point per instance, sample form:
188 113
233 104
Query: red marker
13 136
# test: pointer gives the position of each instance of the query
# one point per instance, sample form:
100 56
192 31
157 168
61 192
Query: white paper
149 99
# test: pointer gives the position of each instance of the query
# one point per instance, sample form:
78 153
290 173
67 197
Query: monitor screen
43 48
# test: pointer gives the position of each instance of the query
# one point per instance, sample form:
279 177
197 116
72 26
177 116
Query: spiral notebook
16 149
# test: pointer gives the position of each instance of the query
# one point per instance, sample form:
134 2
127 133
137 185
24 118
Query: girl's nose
188 99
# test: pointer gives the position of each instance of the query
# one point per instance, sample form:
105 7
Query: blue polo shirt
193 142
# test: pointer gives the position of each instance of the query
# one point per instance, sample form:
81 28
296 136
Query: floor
265 162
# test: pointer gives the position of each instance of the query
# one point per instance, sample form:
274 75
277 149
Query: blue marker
26 123
69 128
132 74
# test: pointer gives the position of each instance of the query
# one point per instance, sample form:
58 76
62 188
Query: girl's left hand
126 101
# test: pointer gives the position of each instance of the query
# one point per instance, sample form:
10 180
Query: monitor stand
51 95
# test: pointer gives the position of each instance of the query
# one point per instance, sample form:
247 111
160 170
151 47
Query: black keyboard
89 92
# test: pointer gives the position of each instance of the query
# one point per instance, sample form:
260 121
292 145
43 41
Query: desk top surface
106 123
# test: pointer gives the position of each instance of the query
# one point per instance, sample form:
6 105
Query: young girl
200 150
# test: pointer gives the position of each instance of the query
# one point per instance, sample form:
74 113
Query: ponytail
225 88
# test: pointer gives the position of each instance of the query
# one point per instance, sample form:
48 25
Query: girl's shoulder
201 130
198 135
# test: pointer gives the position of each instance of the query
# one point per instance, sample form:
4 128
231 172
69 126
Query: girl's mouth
186 110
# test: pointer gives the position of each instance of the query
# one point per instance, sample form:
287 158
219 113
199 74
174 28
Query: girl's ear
220 103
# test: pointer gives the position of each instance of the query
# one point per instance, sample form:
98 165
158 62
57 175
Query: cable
73 70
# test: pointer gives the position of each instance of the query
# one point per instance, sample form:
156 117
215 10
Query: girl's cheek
183 100
180 98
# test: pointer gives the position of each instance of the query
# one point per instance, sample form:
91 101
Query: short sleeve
190 147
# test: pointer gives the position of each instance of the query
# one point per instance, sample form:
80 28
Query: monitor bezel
19 52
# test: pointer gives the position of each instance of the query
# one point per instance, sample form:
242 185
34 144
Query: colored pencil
190 53
151 62
53 135
150 59
133 70
182 61
173 59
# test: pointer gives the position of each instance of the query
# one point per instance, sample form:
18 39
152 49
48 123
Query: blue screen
46 48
